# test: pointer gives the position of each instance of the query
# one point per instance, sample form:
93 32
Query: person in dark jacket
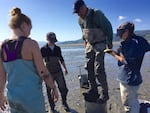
130 57
97 35
53 58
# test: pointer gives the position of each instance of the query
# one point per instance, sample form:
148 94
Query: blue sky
56 16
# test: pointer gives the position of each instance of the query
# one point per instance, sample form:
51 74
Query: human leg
92 94
90 58
101 75
129 98
50 100
63 89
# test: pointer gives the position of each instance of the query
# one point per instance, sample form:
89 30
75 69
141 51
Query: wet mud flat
75 63
74 58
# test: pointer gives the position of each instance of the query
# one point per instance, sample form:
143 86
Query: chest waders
53 64
96 43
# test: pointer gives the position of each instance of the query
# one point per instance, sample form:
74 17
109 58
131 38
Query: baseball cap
51 36
77 5
126 25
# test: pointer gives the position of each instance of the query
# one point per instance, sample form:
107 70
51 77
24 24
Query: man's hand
109 46
65 71
108 50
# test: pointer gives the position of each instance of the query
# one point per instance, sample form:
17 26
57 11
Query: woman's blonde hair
17 18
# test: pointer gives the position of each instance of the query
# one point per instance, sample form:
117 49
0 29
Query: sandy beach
74 59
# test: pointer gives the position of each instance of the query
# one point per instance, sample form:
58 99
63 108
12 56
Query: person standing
22 66
130 57
53 58
97 35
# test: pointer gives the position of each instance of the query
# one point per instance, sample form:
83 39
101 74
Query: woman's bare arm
42 70
2 86
2 77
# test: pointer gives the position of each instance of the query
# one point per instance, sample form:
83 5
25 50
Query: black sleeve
146 45
43 52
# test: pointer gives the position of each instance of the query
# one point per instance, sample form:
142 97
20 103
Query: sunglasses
120 32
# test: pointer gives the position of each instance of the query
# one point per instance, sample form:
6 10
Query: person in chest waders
53 58
97 34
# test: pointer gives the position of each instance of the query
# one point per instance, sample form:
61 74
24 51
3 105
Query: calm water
74 58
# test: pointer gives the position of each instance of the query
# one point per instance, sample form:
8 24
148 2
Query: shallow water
75 60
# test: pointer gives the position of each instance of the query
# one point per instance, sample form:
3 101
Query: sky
57 16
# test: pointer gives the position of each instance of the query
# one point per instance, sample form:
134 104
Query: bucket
92 107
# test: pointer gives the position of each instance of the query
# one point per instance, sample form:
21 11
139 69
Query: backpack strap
12 49
19 47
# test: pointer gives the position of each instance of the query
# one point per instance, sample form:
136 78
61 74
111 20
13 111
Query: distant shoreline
81 44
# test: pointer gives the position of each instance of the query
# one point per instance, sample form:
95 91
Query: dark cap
77 5
51 36
126 25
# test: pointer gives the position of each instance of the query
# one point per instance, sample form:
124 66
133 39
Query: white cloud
121 17
137 20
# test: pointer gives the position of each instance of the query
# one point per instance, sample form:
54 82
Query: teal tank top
24 87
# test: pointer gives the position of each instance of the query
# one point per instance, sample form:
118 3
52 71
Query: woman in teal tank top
21 65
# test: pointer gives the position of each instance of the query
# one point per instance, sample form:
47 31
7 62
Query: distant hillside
144 33
41 43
